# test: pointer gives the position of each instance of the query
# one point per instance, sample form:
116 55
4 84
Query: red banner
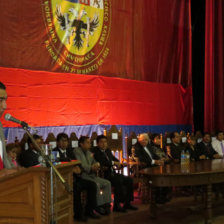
51 99
140 40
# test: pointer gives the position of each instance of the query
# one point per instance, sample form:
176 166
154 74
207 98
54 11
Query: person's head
206 137
38 140
219 135
101 141
85 143
143 139
156 139
175 137
62 141
11 150
191 140
3 98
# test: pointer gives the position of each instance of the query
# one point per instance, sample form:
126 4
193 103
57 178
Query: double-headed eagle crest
73 25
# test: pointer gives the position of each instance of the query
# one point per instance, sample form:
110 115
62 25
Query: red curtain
214 71
148 40
53 99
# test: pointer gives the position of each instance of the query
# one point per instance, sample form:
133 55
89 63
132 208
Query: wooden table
205 172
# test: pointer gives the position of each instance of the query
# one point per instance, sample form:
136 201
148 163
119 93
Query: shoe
119 209
81 218
92 215
130 207
100 210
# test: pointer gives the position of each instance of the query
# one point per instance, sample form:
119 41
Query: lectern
25 196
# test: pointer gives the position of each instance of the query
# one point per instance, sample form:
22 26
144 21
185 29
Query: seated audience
123 185
31 156
11 150
218 143
89 169
205 149
79 184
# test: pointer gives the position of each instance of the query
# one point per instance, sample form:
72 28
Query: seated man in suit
66 154
144 153
89 169
31 157
205 149
123 186
146 156
175 147
156 148
218 143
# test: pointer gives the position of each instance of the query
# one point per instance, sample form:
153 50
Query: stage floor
182 210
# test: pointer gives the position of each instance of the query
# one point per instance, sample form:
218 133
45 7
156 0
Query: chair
73 141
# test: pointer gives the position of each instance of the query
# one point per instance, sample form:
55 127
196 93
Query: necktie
222 148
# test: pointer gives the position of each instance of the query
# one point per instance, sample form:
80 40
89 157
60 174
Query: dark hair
35 136
206 133
153 136
172 135
99 137
2 86
10 147
82 140
218 132
61 135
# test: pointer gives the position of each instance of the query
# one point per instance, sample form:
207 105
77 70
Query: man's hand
76 170
117 163
95 166
159 162
202 157
217 156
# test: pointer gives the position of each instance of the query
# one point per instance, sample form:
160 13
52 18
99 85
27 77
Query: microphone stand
52 170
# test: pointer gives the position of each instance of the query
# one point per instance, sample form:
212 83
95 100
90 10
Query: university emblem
78 31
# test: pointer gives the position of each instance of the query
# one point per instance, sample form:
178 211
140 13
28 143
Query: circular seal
78 31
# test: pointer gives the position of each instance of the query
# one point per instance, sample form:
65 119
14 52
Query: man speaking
4 161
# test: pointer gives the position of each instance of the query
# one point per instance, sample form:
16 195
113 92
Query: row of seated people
98 189
148 152
147 148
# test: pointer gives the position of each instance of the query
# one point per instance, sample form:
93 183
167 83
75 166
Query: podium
25 196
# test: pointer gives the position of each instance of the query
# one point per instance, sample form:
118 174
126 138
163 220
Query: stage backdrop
146 40
133 57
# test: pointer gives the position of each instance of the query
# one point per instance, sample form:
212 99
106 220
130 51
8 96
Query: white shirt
147 151
216 144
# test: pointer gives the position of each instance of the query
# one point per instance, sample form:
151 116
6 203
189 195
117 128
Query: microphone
9 117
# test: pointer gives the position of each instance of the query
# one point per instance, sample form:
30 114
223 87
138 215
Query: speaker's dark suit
123 185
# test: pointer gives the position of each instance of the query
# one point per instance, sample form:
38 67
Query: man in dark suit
144 153
146 157
205 149
31 157
175 147
123 185
66 154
